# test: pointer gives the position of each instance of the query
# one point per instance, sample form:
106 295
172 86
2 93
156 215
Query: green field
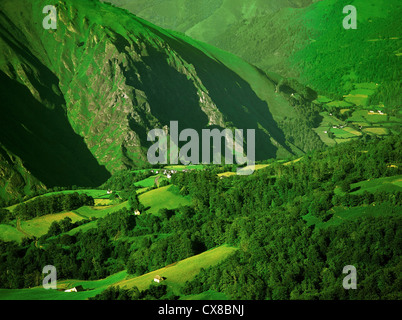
339 104
94 193
177 274
10 233
376 131
148 182
342 134
208 295
164 197
343 214
183 167
39 293
100 211
388 184
40 225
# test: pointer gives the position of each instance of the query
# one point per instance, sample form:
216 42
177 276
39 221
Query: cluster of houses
378 111
167 173
337 127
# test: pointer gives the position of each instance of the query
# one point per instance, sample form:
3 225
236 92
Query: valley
78 191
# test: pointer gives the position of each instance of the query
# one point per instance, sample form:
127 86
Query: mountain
301 39
204 19
78 101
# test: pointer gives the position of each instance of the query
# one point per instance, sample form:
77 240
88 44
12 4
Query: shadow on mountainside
232 95
43 137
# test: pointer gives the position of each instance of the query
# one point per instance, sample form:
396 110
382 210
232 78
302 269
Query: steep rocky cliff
78 101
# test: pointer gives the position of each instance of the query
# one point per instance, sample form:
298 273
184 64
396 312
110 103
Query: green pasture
164 197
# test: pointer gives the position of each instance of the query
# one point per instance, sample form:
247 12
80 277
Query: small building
159 279
137 212
325 131
109 192
75 289
168 176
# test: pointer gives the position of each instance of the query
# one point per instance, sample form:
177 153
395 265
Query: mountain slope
204 19
80 100
303 39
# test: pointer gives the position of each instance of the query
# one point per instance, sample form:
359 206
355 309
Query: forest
52 204
281 255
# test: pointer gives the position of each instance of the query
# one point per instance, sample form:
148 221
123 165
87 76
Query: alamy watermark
350 21
50 21
50 280
190 152
350 281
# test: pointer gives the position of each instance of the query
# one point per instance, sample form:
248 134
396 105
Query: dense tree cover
37 192
124 180
98 252
5 215
280 255
332 70
90 255
154 292
63 226
52 204
298 131
282 258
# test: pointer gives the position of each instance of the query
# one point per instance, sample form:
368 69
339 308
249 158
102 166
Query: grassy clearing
358 116
323 99
226 174
380 184
376 117
183 167
323 134
176 275
230 173
377 131
10 233
84 228
352 131
164 197
39 293
344 214
339 104
102 202
207 295
148 182
343 140
94 193
40 225
341 133
101 211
